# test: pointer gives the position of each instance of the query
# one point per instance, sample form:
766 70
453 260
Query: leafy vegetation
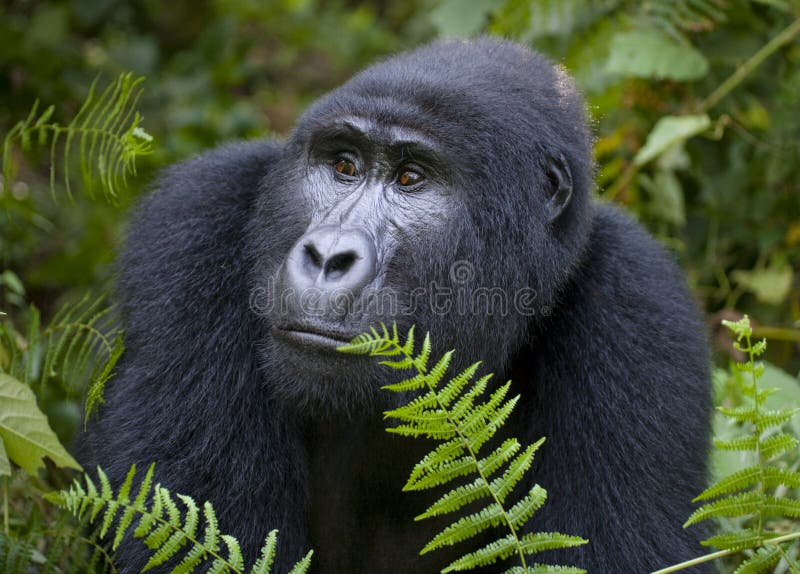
695 105
106 130
451 415
162 526
754 496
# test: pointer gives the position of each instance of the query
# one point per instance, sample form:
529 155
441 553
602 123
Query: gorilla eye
345 167
409 178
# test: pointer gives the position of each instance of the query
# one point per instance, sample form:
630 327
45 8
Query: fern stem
722 554
472 454
789 562
741 73
759 453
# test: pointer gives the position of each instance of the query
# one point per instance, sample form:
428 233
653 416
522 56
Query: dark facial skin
378 198
368 187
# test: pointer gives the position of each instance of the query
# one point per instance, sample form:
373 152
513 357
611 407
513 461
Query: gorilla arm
188 393
618 385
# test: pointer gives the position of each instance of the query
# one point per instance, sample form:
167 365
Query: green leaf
264 562
738 540
649 54
452 19
25 431
5 464
302 566
666 201
540 541
770 286
669 132
738 505
737 481
763 558
777 444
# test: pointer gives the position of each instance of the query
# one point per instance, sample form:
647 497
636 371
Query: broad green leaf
771 285
5 464
666 196
668 132
649 54
453 18
775 377
25 431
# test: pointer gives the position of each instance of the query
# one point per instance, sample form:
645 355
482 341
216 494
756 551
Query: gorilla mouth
314 336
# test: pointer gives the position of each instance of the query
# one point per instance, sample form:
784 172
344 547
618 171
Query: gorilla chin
460 151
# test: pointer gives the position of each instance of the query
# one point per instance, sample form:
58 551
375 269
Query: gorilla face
435 188
369 188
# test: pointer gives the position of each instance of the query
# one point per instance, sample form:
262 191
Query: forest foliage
695 107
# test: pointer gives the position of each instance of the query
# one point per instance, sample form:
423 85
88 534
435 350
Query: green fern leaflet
748 493
452 415
106 134
83 342
163 527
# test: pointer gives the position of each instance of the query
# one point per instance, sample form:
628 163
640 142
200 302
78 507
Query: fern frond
739 505
745 443
738 540
82 343
264 562
777 444
163 526
106 134
16 555
737 481
776 418
763 558
52 552
744 493
304 564
459 415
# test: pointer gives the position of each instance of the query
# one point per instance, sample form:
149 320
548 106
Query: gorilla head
445 187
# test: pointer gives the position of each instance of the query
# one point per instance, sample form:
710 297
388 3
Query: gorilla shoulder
194 219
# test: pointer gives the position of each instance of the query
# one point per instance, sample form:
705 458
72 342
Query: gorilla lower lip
314 338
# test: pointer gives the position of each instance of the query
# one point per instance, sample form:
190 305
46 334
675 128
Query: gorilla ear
559 193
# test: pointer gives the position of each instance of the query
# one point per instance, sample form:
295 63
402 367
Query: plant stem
786 36
726 87
778 333
789 561
721 554
5 506
759 454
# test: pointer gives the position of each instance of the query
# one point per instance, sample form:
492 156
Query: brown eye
408 178
345 167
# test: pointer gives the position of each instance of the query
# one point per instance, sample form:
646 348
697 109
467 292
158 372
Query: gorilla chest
360 520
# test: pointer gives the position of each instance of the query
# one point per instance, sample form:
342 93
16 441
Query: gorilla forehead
465 94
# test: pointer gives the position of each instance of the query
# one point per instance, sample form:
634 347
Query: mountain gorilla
456 179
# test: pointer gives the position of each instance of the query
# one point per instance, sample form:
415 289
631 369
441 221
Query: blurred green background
726 200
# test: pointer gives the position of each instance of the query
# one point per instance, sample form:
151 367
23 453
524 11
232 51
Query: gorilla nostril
339 264
312 260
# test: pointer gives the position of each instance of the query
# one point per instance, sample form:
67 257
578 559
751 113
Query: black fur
612 366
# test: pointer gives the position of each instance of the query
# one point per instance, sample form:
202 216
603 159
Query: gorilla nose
331 258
